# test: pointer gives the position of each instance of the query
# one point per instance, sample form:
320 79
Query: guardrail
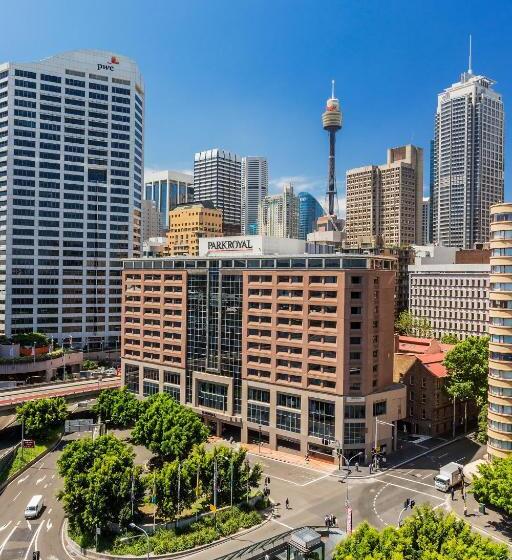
93 385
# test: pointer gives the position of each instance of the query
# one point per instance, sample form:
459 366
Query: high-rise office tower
384 202
217 178
71 160
468 161
309 212
499 430
425 221
279 214
151 221
168 189
254 190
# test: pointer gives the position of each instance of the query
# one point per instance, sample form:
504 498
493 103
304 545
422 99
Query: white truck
449 476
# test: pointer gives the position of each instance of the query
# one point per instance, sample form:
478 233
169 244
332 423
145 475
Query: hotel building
71 161
268 343
499 432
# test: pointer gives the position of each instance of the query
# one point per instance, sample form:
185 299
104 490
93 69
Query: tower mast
331 121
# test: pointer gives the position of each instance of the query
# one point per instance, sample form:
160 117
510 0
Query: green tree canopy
449 338
168 428
409 325
426 535
98 478
118 406
29 339
468 366
41 415
493 484
89 364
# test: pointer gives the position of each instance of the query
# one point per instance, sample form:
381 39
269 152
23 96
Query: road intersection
312 494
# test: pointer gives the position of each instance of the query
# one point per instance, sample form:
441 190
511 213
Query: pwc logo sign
109 65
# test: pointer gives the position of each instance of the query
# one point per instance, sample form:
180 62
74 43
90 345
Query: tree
467 365
89 364
168 428
493 484
174 487
119 406
428 535
449 338
41 415
409 325
99 477
29 339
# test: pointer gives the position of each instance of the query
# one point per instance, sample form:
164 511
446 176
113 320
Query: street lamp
408 504
347 500
133 526
259 440
377 422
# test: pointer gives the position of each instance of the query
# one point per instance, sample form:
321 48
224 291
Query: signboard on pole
29 443
349 521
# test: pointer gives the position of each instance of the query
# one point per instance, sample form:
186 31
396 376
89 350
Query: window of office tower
321 419
213 395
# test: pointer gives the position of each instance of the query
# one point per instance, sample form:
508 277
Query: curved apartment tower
500 331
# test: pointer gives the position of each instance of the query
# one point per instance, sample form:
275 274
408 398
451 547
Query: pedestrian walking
452 492
326 520
334 521
287 503
465 510
357 466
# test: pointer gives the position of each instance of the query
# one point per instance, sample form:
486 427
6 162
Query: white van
34 507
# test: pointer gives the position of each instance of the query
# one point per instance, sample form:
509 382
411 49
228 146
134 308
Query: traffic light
412 503
406 503
409 503
36 555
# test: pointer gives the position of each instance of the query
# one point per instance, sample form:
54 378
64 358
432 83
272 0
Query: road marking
283 524
16 497
426 476
49 525
41 466
286 463
46 485
316 480
49 511
443 455
411 481
29 525
409 489
53 476
409 471
40 479
32 540
8 537
5 526
375 504
22 479
285 480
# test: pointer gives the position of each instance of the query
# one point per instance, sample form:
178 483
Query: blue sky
253 76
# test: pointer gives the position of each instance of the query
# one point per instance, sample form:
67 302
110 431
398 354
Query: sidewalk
406 454
491 524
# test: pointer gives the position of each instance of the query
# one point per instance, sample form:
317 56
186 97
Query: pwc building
268 343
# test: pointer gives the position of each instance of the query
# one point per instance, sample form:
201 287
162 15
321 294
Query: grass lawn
29 454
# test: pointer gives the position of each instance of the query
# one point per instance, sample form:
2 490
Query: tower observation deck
331 121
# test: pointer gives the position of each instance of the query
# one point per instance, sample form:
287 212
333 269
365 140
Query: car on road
34 507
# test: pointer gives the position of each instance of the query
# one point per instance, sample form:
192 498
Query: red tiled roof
429 352
437 369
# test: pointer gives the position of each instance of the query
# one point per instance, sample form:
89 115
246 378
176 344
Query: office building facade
279 214
499 431
71 161
425 221
384 202
295 351
189 224
167 189
151 220
453 298
218 179
468 161
309 212
254 190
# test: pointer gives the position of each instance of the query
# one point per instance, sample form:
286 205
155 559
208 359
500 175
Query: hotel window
321 419
149 388
258 414
213 395
288 401
289 421
259 395
354 433
131 377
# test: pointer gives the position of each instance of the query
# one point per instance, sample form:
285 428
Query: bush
89 364
29 339
204 531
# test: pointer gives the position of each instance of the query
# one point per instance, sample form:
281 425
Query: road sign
213 508
79 425
98 530
29 443
349 521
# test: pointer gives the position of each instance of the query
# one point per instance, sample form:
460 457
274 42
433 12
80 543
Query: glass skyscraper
309 212
167 189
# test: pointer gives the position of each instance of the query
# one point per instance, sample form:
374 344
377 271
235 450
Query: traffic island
209 530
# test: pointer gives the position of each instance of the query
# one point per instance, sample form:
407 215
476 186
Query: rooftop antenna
332 94
470 70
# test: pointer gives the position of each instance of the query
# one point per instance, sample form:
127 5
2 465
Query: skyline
261 89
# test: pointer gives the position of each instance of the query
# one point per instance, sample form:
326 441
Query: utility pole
22 435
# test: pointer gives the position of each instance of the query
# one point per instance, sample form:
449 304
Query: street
312 495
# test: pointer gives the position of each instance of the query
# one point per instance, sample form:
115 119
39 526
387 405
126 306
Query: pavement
312 491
